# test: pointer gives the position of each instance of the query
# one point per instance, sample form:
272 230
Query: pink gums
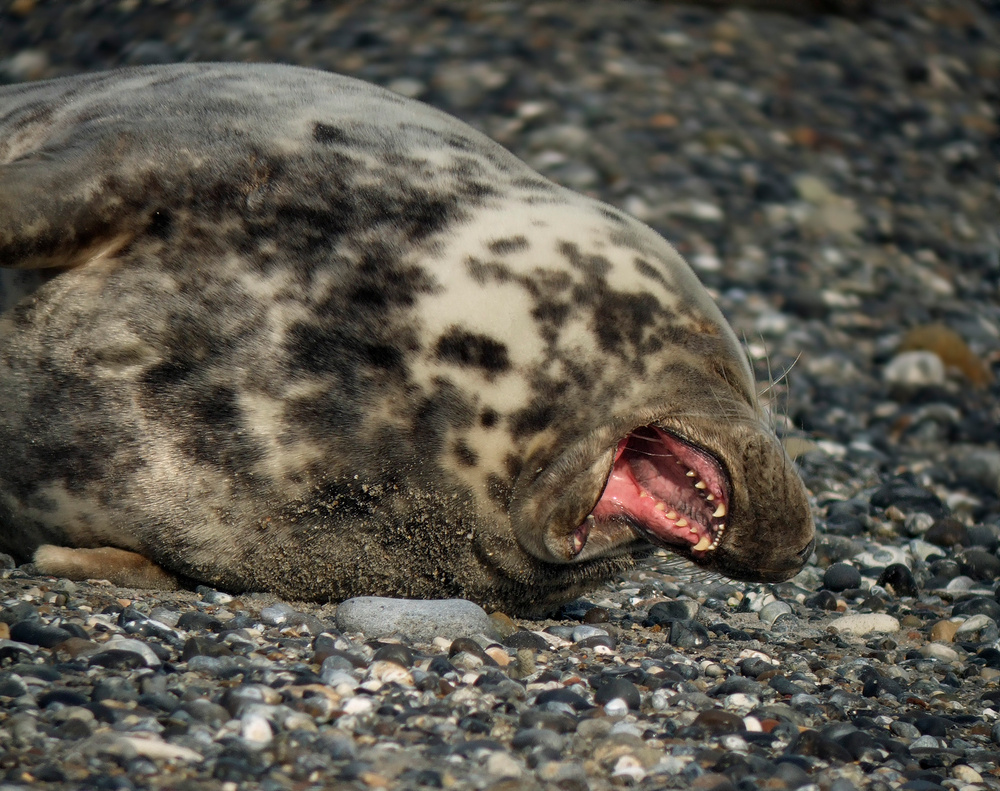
672 492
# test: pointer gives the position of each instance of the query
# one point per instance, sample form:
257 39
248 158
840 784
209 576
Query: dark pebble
34 632
597 641
530 738
554 721
72 729
948 533
525 639
118 659
596 615
470 646
689 634
64 697
12 687
114 688
566 696
667 611
980 565
206 711
394 652
908 497
841 576
977 605
898 579
783 686
204 646
618 688
823 600
199 621
931 725
737 684
813 743
717 722
22 611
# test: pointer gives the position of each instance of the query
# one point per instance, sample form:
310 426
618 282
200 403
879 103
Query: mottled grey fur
269 328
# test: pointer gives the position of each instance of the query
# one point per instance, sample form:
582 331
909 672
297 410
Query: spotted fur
276 329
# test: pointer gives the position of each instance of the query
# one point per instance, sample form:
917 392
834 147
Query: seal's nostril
807 550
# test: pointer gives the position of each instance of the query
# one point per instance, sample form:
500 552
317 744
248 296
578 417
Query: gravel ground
834 180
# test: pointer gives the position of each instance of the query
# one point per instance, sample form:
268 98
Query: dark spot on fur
613 215
160 224
552 313
327 134
469 349
621 317
489 418
533 419
593 266
646 269
466 456
166 374
513 244
483 272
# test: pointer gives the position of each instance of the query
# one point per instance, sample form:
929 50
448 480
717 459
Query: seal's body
268 328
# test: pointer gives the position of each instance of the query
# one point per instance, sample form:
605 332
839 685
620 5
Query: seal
272 329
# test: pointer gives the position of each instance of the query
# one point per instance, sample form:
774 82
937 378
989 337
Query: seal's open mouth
673 493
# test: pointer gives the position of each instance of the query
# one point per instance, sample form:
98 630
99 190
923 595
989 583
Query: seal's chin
674 494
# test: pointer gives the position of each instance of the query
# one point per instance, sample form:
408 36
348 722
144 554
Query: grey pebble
420 621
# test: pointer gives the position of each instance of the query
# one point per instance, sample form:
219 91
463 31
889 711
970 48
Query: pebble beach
831 170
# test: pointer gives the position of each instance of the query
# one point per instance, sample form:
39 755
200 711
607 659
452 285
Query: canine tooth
720 511
710 497
682 522
705 543
690 474
660 506
672 515
699 485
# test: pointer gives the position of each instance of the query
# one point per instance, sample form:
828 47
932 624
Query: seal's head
712 484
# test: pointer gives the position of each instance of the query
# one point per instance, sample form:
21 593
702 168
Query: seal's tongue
674 493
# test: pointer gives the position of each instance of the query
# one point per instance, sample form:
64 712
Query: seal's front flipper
119 566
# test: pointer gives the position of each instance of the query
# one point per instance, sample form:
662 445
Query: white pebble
256 730
865 624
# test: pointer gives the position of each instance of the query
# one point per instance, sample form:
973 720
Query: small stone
122 652
966 774
914 370
939 651
717 722
584 631
943 631
975 624
841 576
256 730
621 688
34 632
898 579
418 620
948 533
689 634
977 605
865 624
527 640
596 615
502 764
667 611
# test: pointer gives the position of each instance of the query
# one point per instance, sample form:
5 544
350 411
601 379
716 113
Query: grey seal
269 328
